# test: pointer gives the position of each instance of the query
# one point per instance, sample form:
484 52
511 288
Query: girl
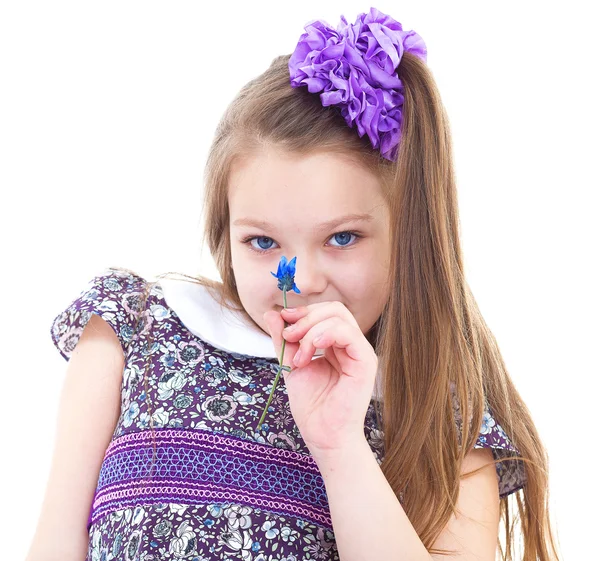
397 434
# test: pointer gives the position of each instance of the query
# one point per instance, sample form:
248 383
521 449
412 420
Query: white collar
215 324
223 328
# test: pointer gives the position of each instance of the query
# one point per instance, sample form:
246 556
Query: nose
310 278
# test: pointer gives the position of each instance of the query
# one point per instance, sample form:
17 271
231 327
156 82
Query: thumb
275 325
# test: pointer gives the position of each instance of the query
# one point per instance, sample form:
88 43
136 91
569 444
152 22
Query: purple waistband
198 467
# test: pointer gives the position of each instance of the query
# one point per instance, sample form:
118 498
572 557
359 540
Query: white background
107 110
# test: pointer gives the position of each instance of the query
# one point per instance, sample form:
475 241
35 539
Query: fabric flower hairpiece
285 281
355 69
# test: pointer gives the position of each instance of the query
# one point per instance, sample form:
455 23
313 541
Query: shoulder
473 527
476 459
115 295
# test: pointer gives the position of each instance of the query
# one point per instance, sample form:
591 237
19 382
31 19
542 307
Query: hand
329 395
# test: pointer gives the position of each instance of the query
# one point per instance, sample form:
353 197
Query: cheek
237 257
255 293
361 285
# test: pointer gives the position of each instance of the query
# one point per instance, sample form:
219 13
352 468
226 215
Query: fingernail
290 328
296 358
288 309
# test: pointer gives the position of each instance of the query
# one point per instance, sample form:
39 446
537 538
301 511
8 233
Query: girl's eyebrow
329 225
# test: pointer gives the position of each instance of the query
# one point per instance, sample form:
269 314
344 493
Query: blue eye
343 235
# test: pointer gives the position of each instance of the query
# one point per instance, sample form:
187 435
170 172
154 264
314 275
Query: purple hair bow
355 69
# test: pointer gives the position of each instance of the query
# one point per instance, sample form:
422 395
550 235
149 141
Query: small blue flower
255 546
285 282
285 275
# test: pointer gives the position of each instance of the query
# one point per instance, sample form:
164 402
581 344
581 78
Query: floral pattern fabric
186 475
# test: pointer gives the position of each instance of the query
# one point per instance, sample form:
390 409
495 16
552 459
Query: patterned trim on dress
201 467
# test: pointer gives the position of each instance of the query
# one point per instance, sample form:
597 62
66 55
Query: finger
307 316
339 334
293 314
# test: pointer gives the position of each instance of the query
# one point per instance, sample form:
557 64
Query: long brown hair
431 333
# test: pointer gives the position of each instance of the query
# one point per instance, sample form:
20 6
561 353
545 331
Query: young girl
397 435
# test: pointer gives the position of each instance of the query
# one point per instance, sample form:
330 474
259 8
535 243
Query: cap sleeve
114 295
511 474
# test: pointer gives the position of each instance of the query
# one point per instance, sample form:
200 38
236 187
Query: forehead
275 183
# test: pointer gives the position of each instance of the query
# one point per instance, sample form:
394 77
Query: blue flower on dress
269 529
215 510
258 437
143 421
160 312
131 413
288 534
285 275
487 423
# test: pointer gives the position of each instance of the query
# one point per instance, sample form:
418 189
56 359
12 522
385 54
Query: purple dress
216 489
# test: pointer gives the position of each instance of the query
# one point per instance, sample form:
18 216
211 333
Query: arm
370 523
88 412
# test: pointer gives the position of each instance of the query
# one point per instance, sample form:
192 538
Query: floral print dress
186 475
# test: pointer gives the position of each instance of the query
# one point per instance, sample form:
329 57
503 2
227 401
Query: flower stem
262 418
